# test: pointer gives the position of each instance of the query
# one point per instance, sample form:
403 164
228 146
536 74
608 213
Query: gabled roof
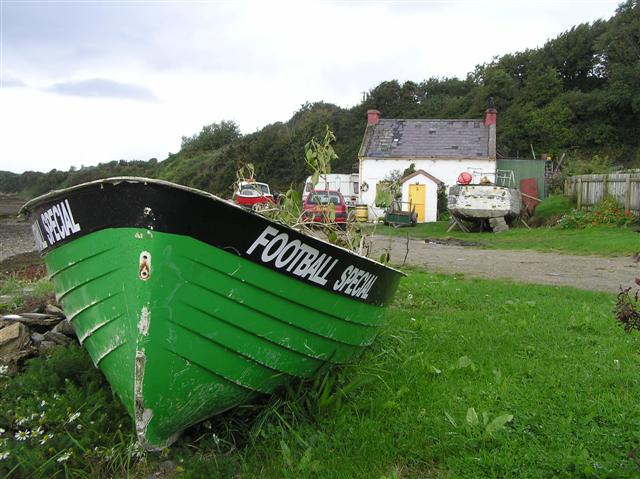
421 172
393 138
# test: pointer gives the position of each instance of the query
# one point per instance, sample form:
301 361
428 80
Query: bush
607 212
549 211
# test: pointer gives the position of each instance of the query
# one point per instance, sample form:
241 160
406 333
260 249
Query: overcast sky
83 82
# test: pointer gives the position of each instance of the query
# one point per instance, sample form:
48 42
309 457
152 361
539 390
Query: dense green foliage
579 95
469 379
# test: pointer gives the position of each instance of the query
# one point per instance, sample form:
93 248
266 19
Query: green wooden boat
191 305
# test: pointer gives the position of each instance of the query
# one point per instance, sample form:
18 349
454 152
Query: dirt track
583 272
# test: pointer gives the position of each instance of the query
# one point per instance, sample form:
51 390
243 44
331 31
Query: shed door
417 195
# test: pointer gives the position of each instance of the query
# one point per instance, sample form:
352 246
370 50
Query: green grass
596 240
453 353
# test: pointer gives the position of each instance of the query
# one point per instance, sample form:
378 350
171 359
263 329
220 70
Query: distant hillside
579 94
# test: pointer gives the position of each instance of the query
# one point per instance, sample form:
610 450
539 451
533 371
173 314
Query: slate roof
392 138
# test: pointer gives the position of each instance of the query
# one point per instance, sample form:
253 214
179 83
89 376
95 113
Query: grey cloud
11 83
102 88
70 37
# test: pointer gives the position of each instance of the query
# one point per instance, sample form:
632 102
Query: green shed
523 169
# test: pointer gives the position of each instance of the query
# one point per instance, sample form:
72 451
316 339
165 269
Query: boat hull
184 329
473 202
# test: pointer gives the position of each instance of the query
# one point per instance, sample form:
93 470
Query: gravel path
583 272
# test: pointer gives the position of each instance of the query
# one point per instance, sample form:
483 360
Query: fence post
579 187
605 184
627 195
566 187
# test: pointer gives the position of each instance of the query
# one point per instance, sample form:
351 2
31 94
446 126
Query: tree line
578 95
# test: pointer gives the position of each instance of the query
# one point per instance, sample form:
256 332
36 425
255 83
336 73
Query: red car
253 195
316 207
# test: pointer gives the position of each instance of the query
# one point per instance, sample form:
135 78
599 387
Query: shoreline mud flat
15 234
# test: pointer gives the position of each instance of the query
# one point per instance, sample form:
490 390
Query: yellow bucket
362 213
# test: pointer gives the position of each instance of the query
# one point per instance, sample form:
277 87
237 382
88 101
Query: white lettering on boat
297 257
308 262
58 223
355 282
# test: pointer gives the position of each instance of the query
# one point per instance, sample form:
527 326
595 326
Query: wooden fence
590 189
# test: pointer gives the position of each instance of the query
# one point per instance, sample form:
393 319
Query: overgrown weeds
627 309
606 213
59 417
20 295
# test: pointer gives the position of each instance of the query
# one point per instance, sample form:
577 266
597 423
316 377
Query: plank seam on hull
91 305
84 283
109 350
206 313
213 373
97 327
56 273
338 318
276 318
243 355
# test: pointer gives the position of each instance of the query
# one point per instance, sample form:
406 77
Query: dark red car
318 210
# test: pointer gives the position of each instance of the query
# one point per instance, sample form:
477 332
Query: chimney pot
373 117
491 117
490 122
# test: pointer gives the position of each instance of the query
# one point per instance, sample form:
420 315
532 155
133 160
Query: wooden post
605 185
586 199
627 194
579 187
566 187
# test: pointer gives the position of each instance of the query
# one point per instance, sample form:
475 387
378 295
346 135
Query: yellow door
417 197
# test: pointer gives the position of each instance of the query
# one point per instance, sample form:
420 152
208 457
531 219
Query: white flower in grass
136 450
64 457
2 431
73 417
38 432
56 396
4 455
22 435
4 370
45 438
43 403
21 421
33 416
79 427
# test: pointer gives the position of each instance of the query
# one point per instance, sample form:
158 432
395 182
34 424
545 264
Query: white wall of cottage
446 170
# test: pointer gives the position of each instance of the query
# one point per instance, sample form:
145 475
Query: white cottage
439 149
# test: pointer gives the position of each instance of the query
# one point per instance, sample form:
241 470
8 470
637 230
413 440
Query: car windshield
254 189
323 198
